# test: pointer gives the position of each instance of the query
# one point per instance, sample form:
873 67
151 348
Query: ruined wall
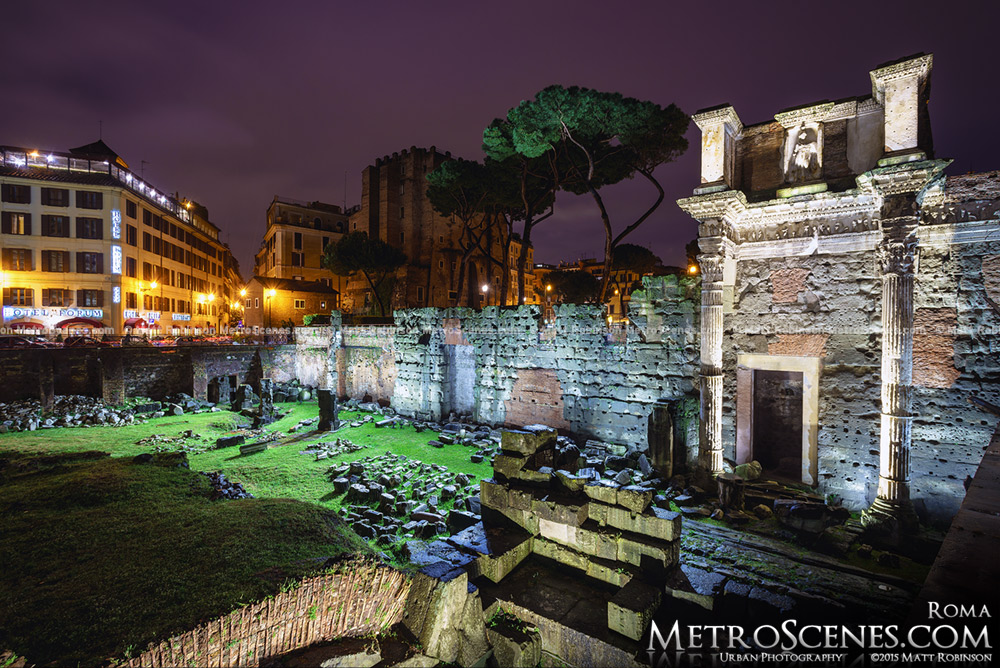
366 363
829 306
569 376
825 306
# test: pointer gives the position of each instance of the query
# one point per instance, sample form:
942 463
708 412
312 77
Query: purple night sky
233 103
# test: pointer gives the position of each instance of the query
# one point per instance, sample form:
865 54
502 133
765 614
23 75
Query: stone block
493 495
511 518
516 646
646 554
635 498
529 440
632 608
561 553
509 465
602 491
655 522
555 511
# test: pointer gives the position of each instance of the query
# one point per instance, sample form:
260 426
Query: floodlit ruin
778 436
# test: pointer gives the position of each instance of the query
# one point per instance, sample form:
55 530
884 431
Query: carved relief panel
803 154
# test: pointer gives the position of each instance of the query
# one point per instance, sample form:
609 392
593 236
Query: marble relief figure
803 155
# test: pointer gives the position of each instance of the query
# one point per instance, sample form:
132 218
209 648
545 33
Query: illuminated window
18 297
16 223
300 303
55 297
17 259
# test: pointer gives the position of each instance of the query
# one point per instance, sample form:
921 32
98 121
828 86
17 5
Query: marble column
710 432
896 254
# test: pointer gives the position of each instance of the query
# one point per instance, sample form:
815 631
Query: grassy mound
103 555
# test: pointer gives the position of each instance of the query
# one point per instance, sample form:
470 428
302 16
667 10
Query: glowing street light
243 292
693 269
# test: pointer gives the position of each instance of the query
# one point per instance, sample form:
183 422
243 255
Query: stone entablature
859 278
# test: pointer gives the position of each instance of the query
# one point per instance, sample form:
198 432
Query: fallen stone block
562 513
230 441
515 645
655 522
631 609
696 585
602 491
635 498
653 556
508 465
252 448
529 440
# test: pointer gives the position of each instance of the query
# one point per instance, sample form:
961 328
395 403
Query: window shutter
27 223
79 261
100 297
100 263
65 266
45 296
79 226
6 222
99 224
46 261
6 296
30 259
80 294
6 259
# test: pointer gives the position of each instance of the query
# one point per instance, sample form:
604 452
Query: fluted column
896 254
710 431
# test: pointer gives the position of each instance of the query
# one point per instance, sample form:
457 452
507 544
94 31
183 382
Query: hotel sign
28 312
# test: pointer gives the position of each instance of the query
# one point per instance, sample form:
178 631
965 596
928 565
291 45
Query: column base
890 520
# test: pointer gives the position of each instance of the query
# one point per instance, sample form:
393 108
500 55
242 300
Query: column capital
896 251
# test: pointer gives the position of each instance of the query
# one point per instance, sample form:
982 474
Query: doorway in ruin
777 422
777 409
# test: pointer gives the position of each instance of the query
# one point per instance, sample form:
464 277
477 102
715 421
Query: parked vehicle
84 342
14 342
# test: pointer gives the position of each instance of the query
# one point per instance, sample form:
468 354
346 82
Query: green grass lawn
102 556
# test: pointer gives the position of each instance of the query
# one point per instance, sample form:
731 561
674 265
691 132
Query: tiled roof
62 176
291 285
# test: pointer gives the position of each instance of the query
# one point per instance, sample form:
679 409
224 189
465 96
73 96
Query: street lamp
486 289
270 298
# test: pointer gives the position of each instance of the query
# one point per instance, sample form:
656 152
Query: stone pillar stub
328 410
901 88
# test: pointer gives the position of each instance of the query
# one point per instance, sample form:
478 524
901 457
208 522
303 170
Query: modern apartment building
86 242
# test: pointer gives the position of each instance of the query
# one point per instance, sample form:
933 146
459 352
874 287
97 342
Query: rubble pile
391 497
67 411
223 488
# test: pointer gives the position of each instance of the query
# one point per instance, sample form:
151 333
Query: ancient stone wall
569 376
828 306
366 363
825 306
